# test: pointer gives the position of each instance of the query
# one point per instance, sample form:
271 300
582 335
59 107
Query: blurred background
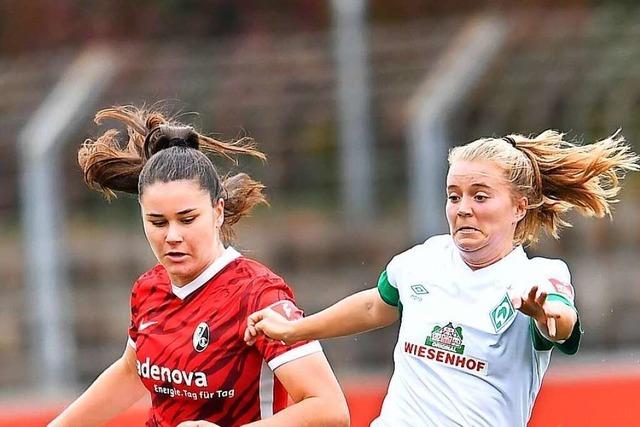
356 103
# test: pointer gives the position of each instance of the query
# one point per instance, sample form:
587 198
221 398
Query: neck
180 281
217 253
484 257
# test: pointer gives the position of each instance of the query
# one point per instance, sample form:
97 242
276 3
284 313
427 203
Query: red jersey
190 349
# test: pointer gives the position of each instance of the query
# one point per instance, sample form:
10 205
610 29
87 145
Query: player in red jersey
188 312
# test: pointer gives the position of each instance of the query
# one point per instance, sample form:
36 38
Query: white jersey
465 356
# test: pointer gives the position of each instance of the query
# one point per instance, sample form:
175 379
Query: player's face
482 211
182 227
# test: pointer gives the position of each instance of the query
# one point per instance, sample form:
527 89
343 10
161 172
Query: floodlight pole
353 82
431 110
48 304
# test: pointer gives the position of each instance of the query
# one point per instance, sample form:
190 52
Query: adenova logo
201 337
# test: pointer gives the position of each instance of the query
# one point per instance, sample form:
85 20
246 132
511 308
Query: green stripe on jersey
388 292
570 346
540 343
561 298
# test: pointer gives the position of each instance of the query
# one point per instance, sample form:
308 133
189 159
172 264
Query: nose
173 234
464 207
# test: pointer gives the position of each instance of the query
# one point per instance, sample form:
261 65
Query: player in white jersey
479 318
462 340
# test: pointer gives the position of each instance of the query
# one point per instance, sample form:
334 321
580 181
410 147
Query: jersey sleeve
557 284
388 291
388 285
397 273
279 297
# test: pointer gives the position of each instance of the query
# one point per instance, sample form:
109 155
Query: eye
188 220
480 197
453 198
158 223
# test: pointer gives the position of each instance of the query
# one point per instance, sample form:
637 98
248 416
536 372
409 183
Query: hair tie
162 137
510 140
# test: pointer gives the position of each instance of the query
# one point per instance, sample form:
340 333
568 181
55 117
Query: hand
545 313
199 423
270 324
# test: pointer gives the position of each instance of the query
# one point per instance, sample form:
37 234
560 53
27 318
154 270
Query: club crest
201 337
502 313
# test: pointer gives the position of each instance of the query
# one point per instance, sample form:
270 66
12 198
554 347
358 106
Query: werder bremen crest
446 338
502 313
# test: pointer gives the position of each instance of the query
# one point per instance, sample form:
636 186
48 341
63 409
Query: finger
551 326
541 298
255 317
251 330
249 337
259 327
532 293
516 301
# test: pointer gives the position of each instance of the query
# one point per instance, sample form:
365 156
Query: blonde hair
555 176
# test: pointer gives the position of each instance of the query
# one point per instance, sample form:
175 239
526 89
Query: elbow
339 415
340 420
345 421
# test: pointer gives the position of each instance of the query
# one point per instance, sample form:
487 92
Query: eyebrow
478 185
182 212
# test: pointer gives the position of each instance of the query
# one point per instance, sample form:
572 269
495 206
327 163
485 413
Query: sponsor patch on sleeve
287 309
562 288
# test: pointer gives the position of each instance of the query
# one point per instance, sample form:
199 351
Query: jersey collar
216 266
510 259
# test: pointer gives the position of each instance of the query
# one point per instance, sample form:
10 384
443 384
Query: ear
218 211
520 208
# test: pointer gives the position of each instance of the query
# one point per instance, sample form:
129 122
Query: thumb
551 326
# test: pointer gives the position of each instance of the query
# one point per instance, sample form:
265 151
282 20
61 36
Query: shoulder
254 272
550 267
151 278
260 280
148 285
553 275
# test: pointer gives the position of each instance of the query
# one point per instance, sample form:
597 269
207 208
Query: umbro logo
418 292
419 289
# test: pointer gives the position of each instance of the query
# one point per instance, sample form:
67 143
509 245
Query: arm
554 319
117 388
319 401
357 313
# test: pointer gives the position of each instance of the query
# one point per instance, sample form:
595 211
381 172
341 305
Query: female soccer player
188 313
479 317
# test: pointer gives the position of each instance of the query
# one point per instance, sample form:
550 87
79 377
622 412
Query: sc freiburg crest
201 337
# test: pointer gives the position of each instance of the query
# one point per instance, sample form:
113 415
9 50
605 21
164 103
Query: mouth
467 229
175 256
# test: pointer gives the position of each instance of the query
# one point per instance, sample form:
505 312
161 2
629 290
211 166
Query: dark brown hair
555 176
163 150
